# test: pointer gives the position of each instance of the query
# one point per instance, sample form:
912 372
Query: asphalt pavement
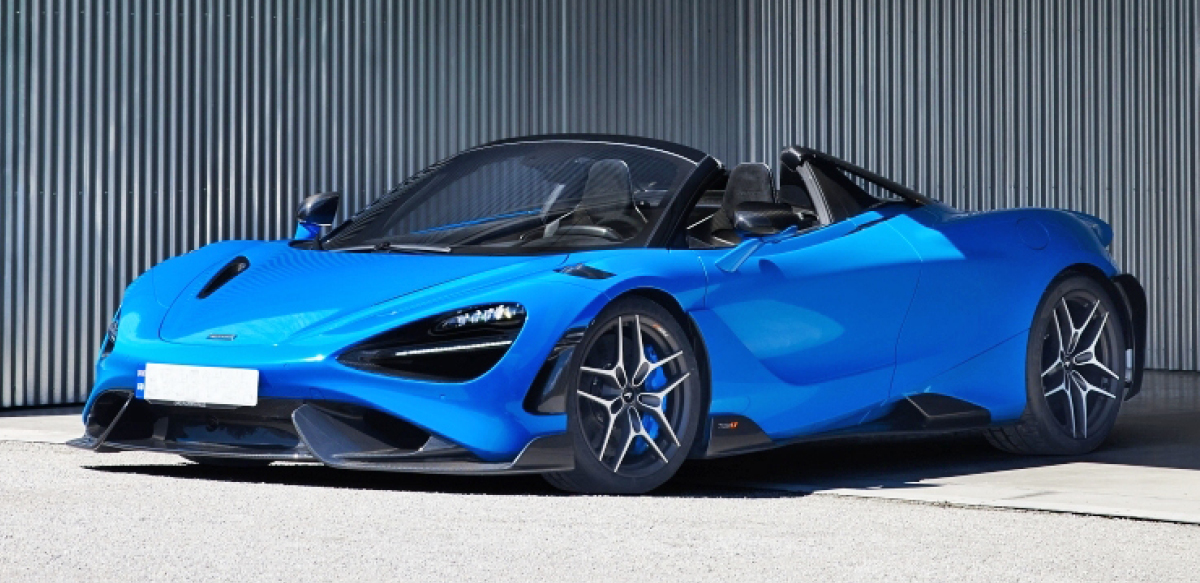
74 516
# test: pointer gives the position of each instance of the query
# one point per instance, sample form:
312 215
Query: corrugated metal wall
132 131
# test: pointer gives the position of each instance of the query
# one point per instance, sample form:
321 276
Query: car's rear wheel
634 406
1075 371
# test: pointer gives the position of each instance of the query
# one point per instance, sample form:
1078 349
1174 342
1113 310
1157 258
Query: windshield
523 196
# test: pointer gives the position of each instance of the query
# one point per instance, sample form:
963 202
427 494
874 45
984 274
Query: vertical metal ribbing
133 131
14 219
62 375
34 384
90 319
8 117
31 223
1189 255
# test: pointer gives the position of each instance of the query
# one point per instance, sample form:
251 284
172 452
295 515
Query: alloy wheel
631 398
1078 359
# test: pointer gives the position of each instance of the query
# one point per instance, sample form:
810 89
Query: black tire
1063 416
228 462
609 461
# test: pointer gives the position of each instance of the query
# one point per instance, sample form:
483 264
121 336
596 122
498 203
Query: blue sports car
598 309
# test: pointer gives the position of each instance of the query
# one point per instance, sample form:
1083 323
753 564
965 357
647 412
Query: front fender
678 273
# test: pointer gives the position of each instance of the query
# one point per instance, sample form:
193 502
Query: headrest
750 182
609 187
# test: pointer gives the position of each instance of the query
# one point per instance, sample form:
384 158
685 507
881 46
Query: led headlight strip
496 314
451 348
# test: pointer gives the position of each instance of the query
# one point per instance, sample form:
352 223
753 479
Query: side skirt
920 414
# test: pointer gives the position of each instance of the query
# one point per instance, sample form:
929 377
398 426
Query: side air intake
230 271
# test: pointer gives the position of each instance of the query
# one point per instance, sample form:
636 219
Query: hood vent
230 271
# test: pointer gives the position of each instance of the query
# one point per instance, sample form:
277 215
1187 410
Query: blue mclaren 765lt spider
598 309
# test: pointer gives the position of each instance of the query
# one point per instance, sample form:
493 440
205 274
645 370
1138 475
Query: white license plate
201 385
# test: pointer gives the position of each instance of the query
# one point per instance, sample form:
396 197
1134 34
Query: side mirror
762 219
315 212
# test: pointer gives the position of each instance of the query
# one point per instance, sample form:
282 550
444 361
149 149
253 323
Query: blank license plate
201 385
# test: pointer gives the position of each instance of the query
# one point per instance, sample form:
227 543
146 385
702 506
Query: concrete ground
50 425
929 509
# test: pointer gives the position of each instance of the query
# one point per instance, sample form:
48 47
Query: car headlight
110 335
497 314
450 347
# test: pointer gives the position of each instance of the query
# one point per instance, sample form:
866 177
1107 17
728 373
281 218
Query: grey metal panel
136 130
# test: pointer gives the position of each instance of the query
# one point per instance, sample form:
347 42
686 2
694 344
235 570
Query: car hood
285 291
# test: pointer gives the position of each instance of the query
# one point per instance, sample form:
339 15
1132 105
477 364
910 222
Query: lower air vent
230 271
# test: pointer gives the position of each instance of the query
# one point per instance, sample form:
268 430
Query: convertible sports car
598 309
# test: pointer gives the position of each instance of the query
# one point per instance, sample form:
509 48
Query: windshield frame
656 233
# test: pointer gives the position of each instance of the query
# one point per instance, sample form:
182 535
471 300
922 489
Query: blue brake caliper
654 383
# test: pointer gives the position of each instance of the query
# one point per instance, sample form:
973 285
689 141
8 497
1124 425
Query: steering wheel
606 233
625 226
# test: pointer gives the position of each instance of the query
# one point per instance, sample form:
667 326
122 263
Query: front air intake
230 271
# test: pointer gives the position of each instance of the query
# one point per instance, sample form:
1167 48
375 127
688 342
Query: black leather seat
750 182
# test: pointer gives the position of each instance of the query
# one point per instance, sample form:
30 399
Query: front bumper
335 434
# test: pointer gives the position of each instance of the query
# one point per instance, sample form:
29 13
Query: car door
819 315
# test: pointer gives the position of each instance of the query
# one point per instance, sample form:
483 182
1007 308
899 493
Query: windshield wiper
401 247
397 247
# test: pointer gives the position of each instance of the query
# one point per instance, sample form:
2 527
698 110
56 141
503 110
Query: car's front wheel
1075 372
635 403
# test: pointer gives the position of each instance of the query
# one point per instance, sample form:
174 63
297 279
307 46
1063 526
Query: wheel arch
1134 296
1125 288
696 339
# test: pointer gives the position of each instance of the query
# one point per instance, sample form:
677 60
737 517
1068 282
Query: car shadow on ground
789 471
1162 441
1160 428
312 475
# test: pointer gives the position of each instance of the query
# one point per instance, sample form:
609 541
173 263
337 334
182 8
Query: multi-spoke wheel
1075 372
635 405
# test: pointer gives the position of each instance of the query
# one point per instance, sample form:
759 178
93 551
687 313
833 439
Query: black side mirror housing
762 219
315 212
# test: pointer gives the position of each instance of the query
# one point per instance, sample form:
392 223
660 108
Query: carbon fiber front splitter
332 434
